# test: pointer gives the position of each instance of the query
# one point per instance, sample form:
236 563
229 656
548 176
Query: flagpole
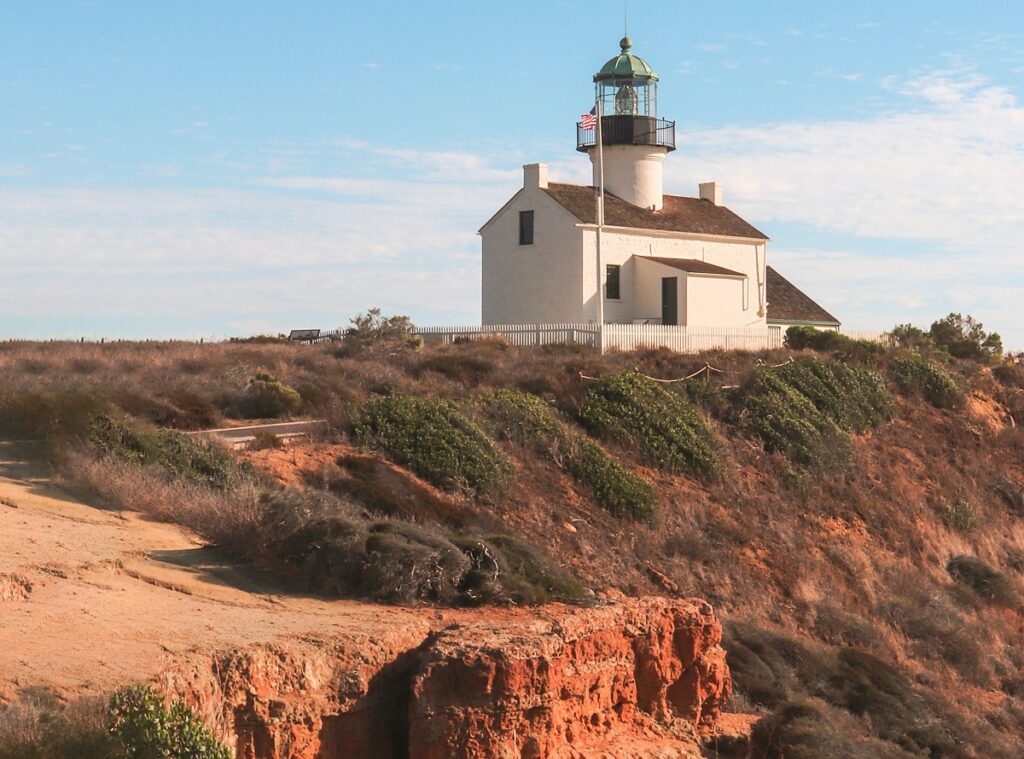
600 225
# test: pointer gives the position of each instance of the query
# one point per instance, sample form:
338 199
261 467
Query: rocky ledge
636 678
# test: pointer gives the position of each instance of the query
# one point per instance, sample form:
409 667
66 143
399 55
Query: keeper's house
665 259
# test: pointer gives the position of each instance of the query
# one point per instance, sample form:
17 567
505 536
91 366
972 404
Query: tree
964 337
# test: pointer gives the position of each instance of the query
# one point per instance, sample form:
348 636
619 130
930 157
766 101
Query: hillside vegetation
852 512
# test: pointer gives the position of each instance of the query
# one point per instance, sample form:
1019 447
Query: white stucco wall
618 247
633 173
539 283
715 301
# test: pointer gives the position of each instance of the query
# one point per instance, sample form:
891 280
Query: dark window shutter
526 227
611 287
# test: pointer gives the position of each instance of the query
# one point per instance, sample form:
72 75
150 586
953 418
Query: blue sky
212 169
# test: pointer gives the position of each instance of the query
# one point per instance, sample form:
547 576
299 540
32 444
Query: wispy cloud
944 168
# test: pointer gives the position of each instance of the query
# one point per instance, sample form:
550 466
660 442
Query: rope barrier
706 368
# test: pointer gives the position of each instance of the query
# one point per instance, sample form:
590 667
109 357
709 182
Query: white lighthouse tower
635 141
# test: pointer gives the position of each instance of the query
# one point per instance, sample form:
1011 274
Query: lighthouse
634 140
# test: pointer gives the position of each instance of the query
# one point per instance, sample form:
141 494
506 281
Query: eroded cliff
635 678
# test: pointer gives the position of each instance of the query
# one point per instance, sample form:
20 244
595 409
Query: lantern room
627 85
627 91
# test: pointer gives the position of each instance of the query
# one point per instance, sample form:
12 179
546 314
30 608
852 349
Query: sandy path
113 596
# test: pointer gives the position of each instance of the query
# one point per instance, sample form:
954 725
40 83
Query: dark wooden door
669 300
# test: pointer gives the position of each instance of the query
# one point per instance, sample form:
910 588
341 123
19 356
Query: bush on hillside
769 669
829 341
788 422
1010 375
613 485
1010 493
372 333
144 727
266 397
40 727
335 550
134 724
45 414
987 582
911 337
958 514
667 430
530 422
852 396
180 456
504 569
435 440
965 337
524 418
918 375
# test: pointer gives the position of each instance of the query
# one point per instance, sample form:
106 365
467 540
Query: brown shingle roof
787 303
678 215
691 265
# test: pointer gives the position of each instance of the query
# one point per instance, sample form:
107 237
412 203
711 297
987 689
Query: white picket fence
517 334
624 337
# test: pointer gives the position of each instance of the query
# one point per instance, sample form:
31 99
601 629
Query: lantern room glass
628 96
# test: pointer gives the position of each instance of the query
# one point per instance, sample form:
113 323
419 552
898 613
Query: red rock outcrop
634 679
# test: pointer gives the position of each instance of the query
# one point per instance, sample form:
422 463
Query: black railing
628 130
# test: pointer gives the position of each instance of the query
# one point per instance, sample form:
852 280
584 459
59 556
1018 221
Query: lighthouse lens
626 101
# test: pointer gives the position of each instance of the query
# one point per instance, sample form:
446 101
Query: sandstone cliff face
633 679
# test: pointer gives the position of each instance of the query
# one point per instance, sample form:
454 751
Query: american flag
589 120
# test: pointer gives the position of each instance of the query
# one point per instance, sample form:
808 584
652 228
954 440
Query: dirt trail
91 598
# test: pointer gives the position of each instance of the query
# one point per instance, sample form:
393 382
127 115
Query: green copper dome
626 66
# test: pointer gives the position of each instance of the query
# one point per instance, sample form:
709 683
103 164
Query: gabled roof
691 265
679 214
787 303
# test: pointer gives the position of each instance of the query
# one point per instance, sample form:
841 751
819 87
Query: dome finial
626 44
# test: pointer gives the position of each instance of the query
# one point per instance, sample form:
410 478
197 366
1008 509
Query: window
526 227
611 286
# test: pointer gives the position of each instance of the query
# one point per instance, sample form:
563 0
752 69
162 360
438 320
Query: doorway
670 300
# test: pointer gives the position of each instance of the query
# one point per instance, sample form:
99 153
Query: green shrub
982 579
668 431
147 729
529 421
829 341
788 422
958 515
852 396
181 456
914 374
266 397
964 337
911 337
524 418
613 485
435 440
